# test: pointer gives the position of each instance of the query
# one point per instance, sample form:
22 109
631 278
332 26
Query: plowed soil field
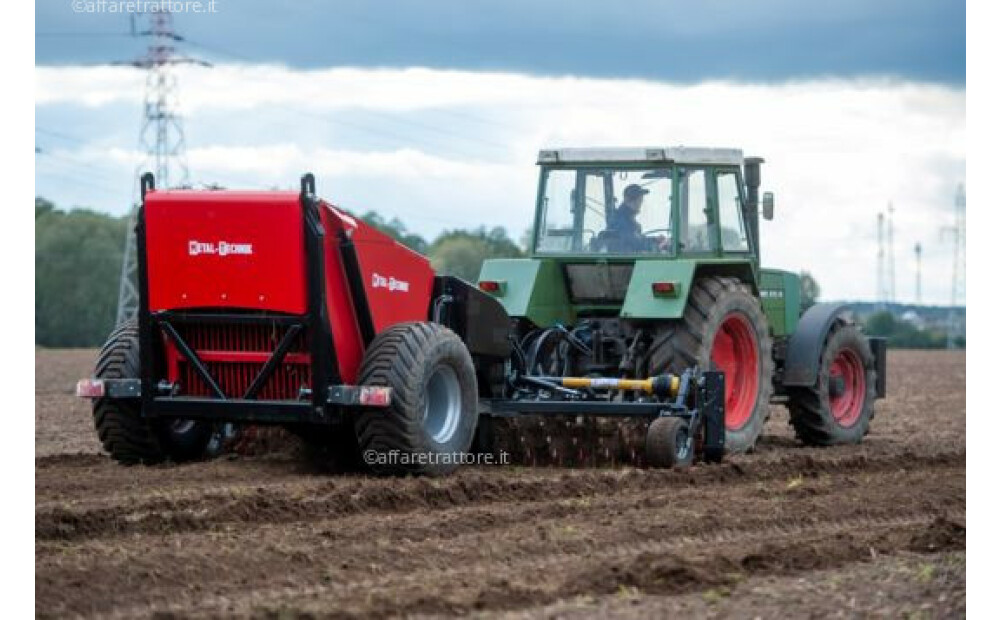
790 531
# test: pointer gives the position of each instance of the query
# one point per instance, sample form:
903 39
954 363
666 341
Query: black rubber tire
127 436
405 357
668 444
688 342
809 408
189 444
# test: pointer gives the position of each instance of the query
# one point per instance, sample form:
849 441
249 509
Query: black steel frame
700 400
319 408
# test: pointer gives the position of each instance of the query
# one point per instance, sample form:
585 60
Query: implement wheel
838 408
668 443
127 436
432 418
723 328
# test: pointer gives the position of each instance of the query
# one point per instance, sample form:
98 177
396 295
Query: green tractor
646 262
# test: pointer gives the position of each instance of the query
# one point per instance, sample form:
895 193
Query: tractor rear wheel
723 328
839 407
127 436
432 417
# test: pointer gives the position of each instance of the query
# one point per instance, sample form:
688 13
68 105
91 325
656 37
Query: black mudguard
478 319
806 345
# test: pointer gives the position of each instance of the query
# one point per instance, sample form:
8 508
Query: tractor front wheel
838 408
432 417
723 328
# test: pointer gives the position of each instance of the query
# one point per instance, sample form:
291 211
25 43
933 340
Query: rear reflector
665 289
375 396
90 388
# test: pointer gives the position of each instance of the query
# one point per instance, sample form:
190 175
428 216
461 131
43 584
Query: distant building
914 319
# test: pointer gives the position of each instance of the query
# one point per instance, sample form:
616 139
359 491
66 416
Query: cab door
727 197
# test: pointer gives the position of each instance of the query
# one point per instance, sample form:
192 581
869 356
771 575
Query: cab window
559 206
696 231
734 236
597 210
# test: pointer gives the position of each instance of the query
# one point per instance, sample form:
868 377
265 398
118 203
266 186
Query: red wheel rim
847 405
734 352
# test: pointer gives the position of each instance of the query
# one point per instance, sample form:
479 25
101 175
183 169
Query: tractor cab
652 203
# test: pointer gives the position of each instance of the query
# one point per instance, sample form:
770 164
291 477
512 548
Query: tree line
902 334
78 261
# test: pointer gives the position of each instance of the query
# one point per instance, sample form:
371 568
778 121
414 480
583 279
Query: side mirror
768 204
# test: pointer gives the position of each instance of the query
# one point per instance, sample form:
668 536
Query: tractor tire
723 328
127 436
668 443
839 407
432 418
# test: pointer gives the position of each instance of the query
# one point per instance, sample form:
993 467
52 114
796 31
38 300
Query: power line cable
53 157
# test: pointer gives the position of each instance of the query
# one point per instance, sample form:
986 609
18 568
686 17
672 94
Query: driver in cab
624 232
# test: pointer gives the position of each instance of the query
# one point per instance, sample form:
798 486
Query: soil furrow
672 566
323 499
429 540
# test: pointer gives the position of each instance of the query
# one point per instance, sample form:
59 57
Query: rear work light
90 388
494 287
666 289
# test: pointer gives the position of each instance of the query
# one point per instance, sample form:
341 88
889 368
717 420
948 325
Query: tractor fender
806 345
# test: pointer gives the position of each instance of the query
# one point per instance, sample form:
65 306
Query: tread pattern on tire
811 417
661 442
684 343
125 435
393 359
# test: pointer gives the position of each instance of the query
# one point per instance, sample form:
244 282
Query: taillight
375 396
665 289
494 287
90 388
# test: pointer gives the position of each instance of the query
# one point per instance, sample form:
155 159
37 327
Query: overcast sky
434 111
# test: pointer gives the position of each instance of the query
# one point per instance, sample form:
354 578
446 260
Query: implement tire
839 407
432 417
723 328
668 443
127 436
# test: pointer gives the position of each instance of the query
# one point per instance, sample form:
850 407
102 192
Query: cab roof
677 154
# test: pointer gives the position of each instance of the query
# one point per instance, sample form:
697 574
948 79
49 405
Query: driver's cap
634 191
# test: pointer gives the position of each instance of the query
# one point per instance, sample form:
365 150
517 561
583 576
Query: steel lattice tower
161 137
958 265
880 266
892 257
